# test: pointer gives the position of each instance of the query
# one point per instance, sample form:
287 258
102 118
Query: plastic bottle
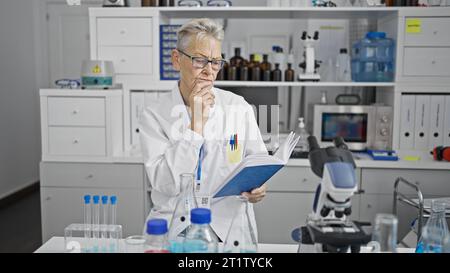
343 66
156 236
435 231
181 216
241 236
200 237
373 58
302 144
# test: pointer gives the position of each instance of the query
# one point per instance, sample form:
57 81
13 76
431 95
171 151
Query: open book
254 170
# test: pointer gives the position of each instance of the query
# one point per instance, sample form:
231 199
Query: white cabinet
433 31
427 62
63 186
81 125
124 31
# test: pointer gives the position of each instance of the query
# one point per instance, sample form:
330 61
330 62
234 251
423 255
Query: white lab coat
170 148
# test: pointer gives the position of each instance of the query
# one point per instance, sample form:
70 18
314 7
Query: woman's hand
201 100
256 195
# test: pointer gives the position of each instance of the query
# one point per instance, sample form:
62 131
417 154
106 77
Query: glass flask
241 237
181 216
435 231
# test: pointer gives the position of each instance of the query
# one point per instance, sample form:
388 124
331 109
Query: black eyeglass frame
205 60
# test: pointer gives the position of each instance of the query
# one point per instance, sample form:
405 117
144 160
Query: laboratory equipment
241 237
329 71
276 73
328 226
384 235
113 208
302 144
104 233
373 58
86 237
115 3
441 153
265 68
168 42
87 217
310 64
289 73
68 83
190 3
96 217
435 231
219 3
323 97
200 238
97 74
237 60
387 155
135 244
343 72
156 238
180 222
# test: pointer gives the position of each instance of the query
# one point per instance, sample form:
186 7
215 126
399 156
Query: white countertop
362 160
56 245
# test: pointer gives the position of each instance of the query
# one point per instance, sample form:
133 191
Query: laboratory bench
57 245
90 138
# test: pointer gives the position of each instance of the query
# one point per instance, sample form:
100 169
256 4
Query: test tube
104 233
87 216
95 216
113 205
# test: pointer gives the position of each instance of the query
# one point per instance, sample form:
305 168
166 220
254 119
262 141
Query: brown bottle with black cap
222 74
289 73
276 73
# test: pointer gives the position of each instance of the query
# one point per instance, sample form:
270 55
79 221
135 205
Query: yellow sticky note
234 156
411 158
413 25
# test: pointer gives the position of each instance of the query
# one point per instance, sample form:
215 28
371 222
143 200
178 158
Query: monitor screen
352 127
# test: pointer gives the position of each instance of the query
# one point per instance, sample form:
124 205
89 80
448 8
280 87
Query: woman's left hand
256 195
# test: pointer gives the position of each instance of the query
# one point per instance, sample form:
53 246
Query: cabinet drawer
294 179
433 32
77 141
92 175
129 60
426 62
124 31
431 182
66 111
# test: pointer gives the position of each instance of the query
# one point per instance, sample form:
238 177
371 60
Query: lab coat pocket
234 155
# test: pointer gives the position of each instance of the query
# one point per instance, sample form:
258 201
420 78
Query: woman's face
207 47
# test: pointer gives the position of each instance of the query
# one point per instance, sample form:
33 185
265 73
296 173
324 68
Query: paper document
255 170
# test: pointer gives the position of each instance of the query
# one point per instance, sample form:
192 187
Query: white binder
408 106
437 108
422 122
447 121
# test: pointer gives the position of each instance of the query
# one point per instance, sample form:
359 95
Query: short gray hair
198 28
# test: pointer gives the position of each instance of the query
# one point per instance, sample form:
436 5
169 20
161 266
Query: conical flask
181 216
241 237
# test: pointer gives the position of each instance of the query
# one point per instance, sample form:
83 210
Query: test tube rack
76 242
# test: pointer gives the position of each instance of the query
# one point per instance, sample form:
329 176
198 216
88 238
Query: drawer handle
75 112
304 180
48 198
435 32
123 31
90 176
75 141
123 60
433 62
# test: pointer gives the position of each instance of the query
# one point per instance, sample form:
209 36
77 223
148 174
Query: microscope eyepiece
312 142
339 143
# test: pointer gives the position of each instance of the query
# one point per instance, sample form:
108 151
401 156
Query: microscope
328 227
310 64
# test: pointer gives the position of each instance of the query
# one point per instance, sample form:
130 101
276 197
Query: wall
19 100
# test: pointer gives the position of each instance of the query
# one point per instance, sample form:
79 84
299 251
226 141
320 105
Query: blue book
254 170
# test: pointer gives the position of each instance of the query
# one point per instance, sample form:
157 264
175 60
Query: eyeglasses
202 62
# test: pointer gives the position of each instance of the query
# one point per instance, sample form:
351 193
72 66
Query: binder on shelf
446 140
437 108
408 106
422 122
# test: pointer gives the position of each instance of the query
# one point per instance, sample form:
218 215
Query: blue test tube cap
113 200
157 226
104 199
96 198
87 199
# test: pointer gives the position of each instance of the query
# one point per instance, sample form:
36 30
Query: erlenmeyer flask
241 237
181 216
